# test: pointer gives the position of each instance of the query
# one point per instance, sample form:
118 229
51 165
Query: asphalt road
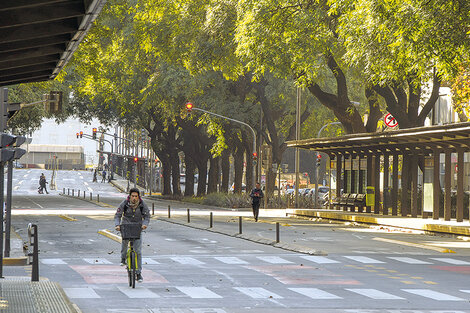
187 269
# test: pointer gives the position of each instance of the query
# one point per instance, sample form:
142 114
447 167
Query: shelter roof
38 37
420 140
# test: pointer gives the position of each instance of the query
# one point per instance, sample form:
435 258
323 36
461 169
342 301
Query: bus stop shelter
409 172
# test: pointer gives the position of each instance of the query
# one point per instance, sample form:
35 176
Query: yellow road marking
372 271
68 218
408 282
392 271
429 282
110 235
416 245
417 277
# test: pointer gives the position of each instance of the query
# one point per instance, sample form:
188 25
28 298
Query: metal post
68 191
63 191
189 218
2 183
239 224
91 196
153 208
297 150
8 208
98 197
33 241
73 192
84 193
78 193
277 232
211 221
169 215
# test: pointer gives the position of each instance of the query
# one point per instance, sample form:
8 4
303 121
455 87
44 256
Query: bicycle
131 232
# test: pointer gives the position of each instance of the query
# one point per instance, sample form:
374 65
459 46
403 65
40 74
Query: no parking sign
390 121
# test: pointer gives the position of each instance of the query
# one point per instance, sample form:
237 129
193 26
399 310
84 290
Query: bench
352 201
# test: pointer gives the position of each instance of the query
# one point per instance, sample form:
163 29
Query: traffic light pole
240 122
2 204
8 208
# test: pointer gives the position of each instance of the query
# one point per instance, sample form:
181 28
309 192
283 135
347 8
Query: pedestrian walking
130 211
103 180
42 184
95 174
256 196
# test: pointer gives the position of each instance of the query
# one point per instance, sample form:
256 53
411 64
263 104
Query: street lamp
190 107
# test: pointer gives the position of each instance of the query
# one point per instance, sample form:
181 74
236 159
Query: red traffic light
78 135
94 133
136 159
81 134
189 106
255 155
319 157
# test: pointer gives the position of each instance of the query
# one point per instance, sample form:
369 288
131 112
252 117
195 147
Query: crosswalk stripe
363 259
408 260
451 261
97 261
258 293
81 293
198 292
230 260
273 259
138 293
315 293
375 294
52 261
187 260
319 259
149 261
431 294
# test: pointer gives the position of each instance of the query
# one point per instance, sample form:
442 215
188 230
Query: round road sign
390 121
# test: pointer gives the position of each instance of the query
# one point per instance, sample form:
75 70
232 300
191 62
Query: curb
382 220
100 204
21 261
261 240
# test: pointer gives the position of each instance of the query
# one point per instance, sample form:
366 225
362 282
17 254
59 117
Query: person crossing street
256 196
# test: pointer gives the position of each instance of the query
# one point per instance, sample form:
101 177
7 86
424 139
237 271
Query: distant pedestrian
103 180
256 196
95 174
42 184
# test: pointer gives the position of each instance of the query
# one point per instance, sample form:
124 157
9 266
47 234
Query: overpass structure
38 37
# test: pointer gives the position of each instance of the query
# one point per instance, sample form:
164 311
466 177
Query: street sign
390 121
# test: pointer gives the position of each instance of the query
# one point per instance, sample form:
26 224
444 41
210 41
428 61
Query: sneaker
139 278
123 262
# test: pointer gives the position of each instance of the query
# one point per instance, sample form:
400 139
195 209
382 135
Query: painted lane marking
274 260
97 261
315 293
416 245
258 293
149 261
81 293
52 261
451 261
199 292
408 260
431 294
187 260
138 293
230 260
375 294
364 259
319 259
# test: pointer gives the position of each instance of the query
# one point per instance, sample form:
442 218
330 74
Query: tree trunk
225 170
175 173
202 178
189 177
238 165
213 175
166 173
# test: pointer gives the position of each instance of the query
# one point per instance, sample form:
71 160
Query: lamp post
190 107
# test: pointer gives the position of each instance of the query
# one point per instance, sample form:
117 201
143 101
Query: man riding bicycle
130 211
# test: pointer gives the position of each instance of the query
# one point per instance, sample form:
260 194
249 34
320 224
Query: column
447 186
339 169
460 172
436 184
376 175
414 185
395 185
385 183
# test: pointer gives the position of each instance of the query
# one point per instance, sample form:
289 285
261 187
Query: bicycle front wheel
132 270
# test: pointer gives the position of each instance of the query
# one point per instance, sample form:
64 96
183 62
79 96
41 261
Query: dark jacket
126 215
256 194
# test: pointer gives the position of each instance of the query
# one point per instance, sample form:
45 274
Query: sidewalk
18 294
430 225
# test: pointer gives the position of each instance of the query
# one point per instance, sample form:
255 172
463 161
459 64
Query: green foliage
227 200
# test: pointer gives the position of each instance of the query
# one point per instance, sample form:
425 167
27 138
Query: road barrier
34 254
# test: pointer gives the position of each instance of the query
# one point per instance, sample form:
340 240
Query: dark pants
255 205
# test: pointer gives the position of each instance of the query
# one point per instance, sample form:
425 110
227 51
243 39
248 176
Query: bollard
84 194
98 197
189 217
73 192
169 216
240 225
153 208
91 196
277 232
68 191
33 241
63 192
210 220
78 193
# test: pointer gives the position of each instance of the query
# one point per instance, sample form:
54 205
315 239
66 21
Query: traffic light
136 159
53 102
318 160
78 135
81 134
189 107
6 140
255 156
94 133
